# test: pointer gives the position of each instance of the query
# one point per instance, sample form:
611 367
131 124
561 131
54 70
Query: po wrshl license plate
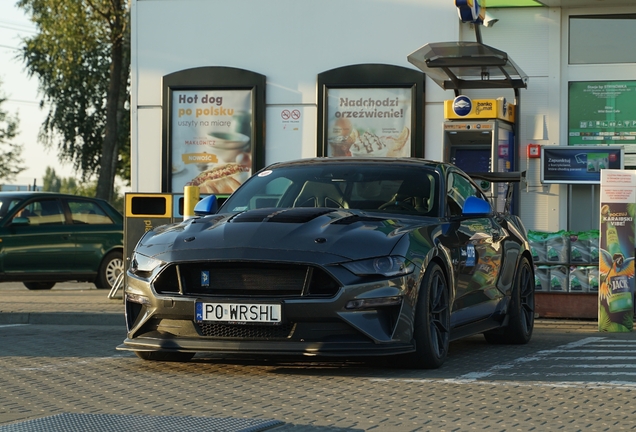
238 312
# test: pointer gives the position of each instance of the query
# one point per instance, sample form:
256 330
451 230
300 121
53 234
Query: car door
94 232
38 240
477 253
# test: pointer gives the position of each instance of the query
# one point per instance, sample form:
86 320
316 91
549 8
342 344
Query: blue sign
205 278
462 105
578 164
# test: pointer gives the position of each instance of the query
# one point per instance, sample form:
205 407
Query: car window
43 212
407 190
7 204
458 190
88 212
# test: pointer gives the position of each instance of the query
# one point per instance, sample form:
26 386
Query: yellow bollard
190 199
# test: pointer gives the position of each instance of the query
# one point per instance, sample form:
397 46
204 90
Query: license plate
238 312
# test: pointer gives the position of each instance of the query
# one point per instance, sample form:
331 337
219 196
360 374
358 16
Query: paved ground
569 378
66 303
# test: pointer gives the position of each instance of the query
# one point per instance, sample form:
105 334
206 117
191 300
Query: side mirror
476 206
207 206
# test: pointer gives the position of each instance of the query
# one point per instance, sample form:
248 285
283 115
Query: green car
50 237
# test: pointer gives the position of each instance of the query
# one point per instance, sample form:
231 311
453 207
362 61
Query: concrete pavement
72 303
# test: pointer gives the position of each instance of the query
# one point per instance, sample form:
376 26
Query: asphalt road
569 377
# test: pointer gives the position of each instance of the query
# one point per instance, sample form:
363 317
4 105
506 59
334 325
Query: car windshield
369 187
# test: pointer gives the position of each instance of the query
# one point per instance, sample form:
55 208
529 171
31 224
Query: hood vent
292 215
349 220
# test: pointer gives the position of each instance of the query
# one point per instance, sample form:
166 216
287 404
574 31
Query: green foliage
53 183
9 152
81 59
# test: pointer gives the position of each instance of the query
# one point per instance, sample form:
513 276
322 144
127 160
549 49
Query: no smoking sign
290 114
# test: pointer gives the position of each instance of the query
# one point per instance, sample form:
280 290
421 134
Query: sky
22 98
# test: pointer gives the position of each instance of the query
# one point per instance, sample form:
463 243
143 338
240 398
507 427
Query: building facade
282 47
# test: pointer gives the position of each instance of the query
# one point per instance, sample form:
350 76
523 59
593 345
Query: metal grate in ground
110 422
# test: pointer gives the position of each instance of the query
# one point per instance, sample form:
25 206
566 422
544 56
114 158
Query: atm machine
479 137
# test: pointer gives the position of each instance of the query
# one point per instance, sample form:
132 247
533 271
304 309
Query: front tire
39 285
521 322
164 356
112 266
432 322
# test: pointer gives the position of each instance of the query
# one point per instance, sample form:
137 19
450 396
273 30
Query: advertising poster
369 122
578 164
616 257
602 112
211 139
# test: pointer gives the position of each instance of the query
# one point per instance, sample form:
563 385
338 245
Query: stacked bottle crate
565 261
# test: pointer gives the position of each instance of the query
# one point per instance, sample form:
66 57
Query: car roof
361 161
38 194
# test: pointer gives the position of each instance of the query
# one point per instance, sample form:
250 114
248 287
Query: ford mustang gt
335 257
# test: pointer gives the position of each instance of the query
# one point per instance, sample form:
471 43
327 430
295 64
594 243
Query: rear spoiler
499 177
502 177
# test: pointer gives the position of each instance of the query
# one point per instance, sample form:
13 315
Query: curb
62 318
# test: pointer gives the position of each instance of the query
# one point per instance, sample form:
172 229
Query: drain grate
109 422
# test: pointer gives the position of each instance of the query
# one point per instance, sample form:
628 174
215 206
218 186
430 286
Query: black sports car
343 257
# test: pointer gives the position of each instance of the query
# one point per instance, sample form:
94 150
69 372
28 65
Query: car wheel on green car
112 266
39 285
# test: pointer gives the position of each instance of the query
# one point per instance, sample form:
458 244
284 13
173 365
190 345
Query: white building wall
288 41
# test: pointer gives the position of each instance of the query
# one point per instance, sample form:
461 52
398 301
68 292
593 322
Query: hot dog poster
211 139
366 122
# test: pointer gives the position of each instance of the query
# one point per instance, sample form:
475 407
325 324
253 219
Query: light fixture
489 20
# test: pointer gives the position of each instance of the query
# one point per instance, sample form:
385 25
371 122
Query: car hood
297 234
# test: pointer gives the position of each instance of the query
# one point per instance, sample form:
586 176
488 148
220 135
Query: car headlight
382 266
141 264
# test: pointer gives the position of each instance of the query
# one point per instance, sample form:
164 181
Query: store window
597 39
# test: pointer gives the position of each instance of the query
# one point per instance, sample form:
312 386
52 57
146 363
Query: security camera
489 20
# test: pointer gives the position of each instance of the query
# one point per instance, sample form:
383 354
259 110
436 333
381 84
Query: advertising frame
569 164
384 84
240 84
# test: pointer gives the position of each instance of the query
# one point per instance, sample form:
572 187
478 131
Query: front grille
244 279
246 331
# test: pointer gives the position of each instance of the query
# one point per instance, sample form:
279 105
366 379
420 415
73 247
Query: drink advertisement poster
211 139
369 122
616 257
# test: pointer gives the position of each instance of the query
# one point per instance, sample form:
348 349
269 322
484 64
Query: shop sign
464 108
578 164
602 112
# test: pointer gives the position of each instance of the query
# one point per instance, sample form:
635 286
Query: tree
81 57
10 152
68 185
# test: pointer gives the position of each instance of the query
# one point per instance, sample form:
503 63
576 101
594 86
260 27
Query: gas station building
275 80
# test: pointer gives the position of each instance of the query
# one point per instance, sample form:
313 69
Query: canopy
468 65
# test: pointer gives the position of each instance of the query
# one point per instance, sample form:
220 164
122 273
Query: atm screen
472 160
